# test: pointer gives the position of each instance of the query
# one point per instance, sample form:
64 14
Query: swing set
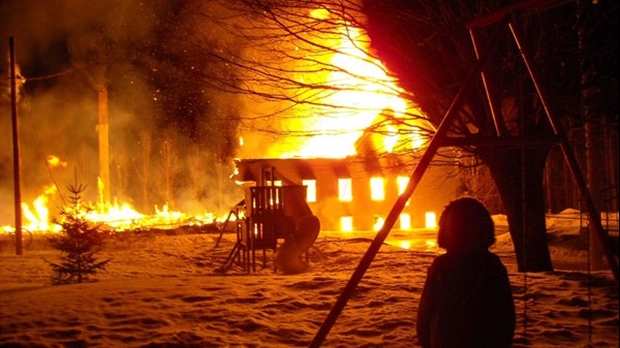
505 17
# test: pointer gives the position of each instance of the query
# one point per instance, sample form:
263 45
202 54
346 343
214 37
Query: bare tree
143 167
430 39
281 53
598 105
170 166
121 173
298 64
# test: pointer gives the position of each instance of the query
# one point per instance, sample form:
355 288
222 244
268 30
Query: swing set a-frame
441 139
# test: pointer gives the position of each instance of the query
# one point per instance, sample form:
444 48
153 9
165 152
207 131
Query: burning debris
120 222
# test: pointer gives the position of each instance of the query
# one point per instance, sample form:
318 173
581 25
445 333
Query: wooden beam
499 15
499 141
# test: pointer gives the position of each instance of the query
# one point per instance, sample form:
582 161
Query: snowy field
164 292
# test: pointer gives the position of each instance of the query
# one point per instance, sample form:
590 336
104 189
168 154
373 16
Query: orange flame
108 215
55 162
38 219
362 89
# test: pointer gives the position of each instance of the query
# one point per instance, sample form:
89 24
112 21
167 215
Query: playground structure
273 219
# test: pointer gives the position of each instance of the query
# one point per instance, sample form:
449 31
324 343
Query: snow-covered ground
165 292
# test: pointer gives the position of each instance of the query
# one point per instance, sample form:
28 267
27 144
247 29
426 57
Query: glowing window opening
345 191
377 189
310 190
430 219
346 224
405 221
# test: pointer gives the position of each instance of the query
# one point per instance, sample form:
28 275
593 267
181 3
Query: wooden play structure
273 219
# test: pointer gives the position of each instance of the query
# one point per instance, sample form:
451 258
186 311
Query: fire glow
356 111
112 216
360 89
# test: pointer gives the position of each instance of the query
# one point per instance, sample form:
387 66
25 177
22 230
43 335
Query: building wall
437 187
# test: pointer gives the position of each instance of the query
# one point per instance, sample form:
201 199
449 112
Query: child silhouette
467 300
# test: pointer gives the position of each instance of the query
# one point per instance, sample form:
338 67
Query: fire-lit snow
164 292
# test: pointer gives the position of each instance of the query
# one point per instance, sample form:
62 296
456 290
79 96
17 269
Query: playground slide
288 257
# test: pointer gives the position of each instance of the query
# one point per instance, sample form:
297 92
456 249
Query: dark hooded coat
466 302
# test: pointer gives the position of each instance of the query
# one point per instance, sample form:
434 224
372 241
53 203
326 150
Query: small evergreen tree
79 242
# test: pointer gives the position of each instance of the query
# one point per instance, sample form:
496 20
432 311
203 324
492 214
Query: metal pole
16 159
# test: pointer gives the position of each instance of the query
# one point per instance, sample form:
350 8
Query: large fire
110 216
360 89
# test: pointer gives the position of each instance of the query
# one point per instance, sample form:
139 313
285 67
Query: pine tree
78 243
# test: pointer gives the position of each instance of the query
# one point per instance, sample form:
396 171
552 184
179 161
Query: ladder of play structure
273 214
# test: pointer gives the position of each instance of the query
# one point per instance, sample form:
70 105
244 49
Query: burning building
355 144
357 152
294 199
345 196
355 193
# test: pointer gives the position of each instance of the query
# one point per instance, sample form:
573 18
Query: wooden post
16 159
104 144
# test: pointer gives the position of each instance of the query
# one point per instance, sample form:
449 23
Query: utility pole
19 250
104 143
